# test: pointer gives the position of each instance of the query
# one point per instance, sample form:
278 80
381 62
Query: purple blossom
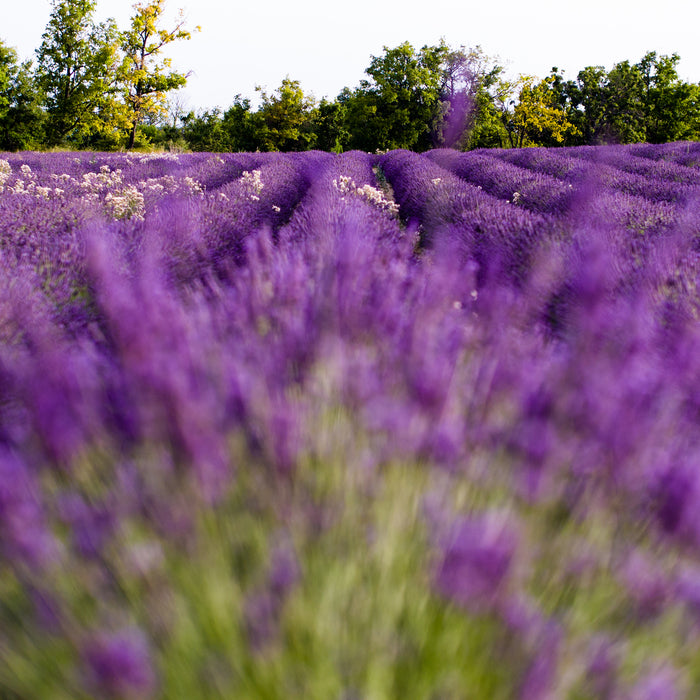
24 536
657 685
476 559
91 523
649 589
119 665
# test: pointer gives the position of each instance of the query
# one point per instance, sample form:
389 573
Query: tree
399 107
8 65
76 72
405 89
145 78
21 116
585 102
330 126
671 108
466 103
239 126
530 113
203 131
645 101
285 118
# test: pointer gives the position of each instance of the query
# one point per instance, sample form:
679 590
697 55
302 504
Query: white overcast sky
327 45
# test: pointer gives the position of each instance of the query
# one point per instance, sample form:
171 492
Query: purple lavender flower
24 536
657 685
601 669
284 569
118 665
260 617
476 560
539 678
648 588
91 523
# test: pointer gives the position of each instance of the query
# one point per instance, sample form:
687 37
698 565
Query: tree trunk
132 137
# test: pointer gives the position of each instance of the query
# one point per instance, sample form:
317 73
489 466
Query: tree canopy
94 86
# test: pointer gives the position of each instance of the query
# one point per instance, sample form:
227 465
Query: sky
327 46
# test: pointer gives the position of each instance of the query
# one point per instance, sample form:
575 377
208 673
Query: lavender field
354 427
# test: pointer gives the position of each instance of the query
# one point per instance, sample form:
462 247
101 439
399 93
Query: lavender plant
315 425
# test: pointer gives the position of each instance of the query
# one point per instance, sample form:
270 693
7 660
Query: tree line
94 86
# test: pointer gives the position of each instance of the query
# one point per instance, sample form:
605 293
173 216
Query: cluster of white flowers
147 157
31 189
436 180
166 184
104 180
127 204
517 197
253 184
19 187
193 186
104 188
5 172
346 185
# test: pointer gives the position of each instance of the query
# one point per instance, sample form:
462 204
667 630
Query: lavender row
535 191
491 232
580 165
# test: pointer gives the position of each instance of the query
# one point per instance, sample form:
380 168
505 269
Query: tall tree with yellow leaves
145 75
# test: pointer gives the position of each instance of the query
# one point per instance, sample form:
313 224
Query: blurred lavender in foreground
316 425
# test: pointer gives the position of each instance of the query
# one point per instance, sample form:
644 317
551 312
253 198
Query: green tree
530 112
76 72
585 101
239 126
357 126
203 131
145 77
21 115
671 107
467 77
8 66
285 118
329 124
399 107
645 101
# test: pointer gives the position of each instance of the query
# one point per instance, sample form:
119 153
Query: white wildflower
26 171
276 208
436 180
372 195
193 186
128 204
253 184
5 171
104 180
